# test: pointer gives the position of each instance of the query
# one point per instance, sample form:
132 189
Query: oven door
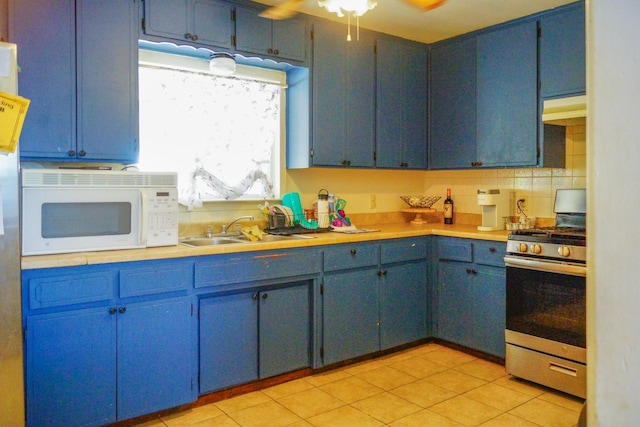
546 323
547 300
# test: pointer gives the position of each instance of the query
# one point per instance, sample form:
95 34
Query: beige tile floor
430 385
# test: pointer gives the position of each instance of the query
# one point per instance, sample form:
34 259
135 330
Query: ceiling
453 18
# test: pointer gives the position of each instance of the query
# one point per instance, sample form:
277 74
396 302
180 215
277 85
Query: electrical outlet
372 201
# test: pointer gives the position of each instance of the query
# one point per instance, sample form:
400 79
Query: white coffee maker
496 204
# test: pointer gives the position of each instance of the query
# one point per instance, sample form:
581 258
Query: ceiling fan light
356 7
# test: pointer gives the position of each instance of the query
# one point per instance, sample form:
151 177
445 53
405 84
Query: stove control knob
522 247
564 251
536 249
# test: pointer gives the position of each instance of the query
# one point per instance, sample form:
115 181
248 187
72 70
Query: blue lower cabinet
228 340
403 304
350 313
255 334
471 283
71 368
156 356
96 366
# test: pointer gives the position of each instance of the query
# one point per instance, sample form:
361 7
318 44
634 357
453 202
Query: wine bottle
448 208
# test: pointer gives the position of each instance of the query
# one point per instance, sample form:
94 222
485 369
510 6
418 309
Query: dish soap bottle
448 208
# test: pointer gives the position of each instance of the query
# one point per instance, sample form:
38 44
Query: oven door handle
548 266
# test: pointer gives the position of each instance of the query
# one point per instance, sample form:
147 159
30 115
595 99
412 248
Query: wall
613 203
536 185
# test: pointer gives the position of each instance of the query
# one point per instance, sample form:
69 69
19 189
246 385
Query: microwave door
72 220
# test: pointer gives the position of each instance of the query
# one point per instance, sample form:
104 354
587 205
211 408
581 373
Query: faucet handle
209 231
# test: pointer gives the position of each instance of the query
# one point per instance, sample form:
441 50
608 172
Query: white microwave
97 210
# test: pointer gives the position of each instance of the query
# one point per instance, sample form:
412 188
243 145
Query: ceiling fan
289 8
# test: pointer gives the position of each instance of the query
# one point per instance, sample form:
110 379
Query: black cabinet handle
492 249
82 153
476 163
346 162
472 271
277 52
270 51
195 37
113 310
254 296
122 310
187 36
353 251
265 296
72 153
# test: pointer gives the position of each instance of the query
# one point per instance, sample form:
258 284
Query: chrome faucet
226 227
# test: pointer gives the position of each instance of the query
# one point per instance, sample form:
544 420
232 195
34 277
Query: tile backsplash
536 185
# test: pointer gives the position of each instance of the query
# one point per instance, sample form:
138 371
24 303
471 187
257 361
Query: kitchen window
223 135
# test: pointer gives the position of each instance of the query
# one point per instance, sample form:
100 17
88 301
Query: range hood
565 111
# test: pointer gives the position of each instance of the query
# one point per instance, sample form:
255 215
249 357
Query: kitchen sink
238 239
212 241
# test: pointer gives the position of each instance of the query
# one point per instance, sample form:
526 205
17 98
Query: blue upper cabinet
562 52
401 104
84 92
343 97
200 22
507 96
284 39
453 104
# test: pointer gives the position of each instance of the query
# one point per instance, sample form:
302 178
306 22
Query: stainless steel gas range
546 299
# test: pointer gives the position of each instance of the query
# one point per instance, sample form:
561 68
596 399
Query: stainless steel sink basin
212 241
238 239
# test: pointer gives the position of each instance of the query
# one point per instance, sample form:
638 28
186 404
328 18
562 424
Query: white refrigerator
12 411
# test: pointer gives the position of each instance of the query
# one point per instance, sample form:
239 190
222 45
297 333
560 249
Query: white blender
496 204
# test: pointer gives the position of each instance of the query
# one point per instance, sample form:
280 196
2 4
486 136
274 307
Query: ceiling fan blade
284 10
425 4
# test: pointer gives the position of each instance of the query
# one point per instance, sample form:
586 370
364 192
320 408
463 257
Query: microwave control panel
162 217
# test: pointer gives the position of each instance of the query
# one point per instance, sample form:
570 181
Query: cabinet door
507 96
454 315
403 306
289 39
350 312
71 368
285 330
343 98
167 18
228 341
155 356
253 32
107 48
489 310
452 131
401 107
562 53
211 23
48 75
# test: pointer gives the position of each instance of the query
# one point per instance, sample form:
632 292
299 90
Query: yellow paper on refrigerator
13 110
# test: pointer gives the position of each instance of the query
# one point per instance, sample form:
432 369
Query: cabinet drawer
238 268
59 291
489 253
403 250
155 278
347 256
454 249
